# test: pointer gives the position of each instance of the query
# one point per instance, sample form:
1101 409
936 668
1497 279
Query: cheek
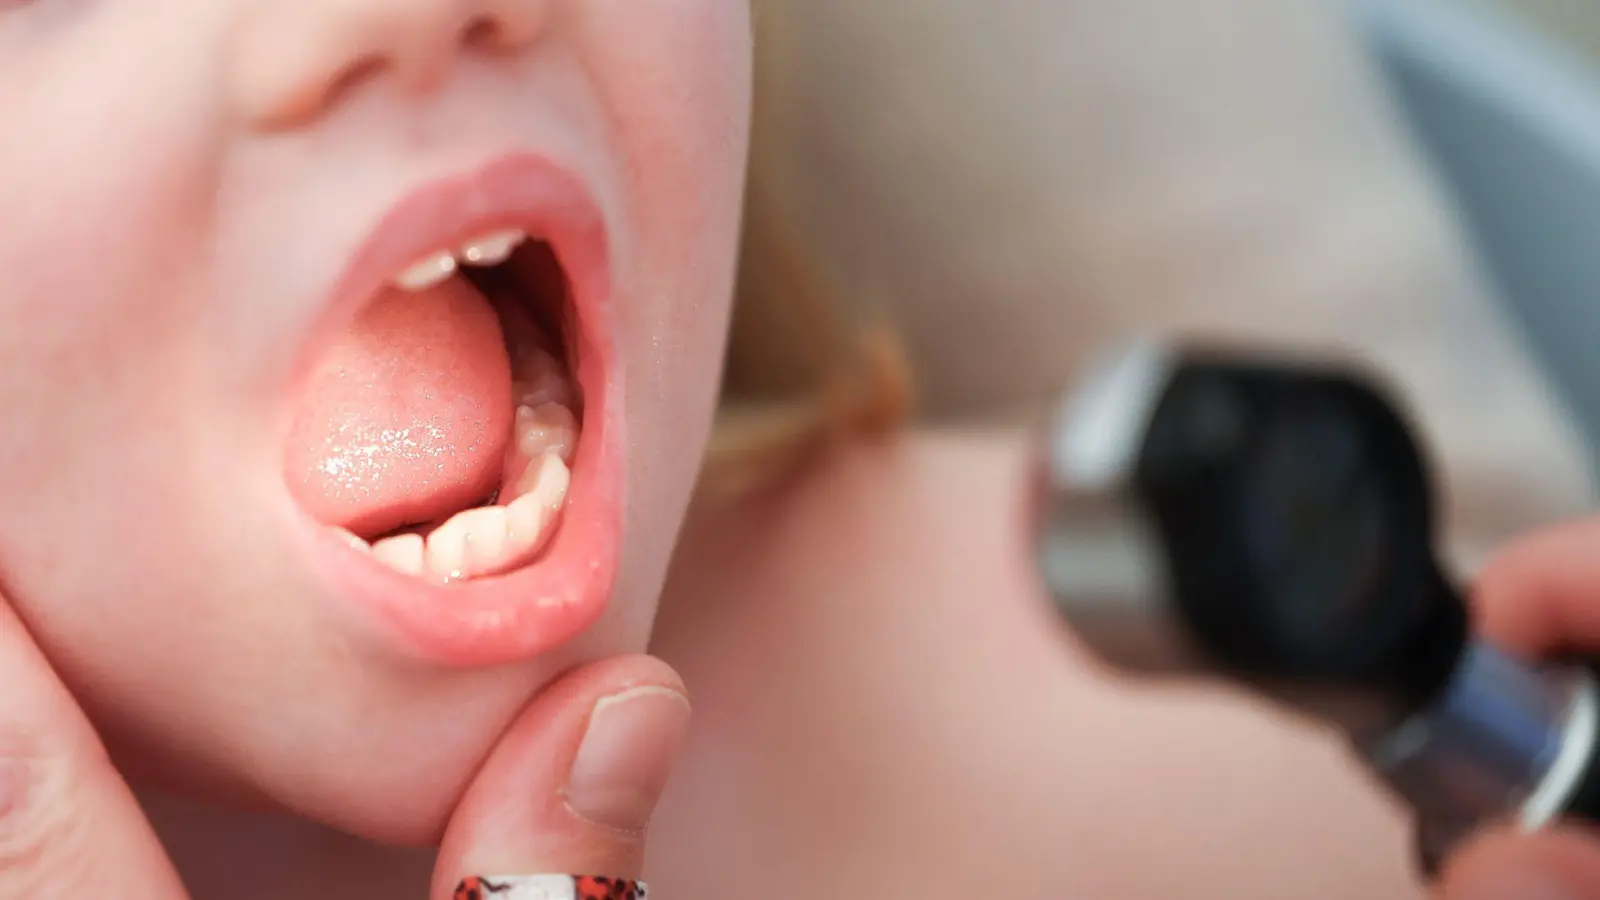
676 78
105 199
679 98
104 202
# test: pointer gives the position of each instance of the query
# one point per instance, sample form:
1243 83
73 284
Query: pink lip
489 621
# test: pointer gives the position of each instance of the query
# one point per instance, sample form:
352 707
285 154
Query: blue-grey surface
1512 121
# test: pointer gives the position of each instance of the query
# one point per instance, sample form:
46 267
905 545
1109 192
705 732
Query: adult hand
1540 597
567 792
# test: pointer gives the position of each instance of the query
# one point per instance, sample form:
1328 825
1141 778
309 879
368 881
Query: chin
393 778
362 739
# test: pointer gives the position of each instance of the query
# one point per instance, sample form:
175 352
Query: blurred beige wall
1022 180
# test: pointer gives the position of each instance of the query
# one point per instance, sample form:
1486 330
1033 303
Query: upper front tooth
427 272
493 249
489 250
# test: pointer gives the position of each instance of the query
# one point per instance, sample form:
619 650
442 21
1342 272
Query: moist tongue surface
405 419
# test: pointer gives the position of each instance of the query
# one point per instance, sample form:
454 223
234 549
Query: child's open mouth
456 436
440 427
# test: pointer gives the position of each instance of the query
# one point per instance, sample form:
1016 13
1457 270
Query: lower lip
490 621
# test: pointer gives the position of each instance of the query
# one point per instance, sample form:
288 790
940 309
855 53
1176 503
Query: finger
1554 865
1542 594
69 826
561 808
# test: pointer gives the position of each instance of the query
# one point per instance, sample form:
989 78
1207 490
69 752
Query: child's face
236 414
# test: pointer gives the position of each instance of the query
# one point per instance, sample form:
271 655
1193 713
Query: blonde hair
803 371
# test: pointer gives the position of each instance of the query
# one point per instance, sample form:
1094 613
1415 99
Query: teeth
529 516
405 553
469 544
427 273
542 380
548 428
489 250
492 250
355 542
488 540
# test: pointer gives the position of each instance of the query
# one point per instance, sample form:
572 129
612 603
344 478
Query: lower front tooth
447 548
405 553
471 543
492 540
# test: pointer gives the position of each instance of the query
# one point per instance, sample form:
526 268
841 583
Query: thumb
1539 595
560 809
1554 865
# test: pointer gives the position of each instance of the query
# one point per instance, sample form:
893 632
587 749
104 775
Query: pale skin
900 700
218 166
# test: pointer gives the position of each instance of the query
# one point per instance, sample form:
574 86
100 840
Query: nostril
484 31
492 31
506 24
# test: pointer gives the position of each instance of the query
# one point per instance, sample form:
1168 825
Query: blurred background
1574 21
1022 182
1416 180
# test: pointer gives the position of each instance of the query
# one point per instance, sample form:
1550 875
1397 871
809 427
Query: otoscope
1270 522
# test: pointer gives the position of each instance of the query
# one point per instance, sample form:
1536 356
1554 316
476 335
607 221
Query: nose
293 58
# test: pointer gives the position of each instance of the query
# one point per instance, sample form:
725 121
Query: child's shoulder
929 520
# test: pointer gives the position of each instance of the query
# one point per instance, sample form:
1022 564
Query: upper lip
495 620
518 191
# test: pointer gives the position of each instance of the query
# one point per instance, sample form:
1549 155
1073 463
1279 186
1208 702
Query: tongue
405 419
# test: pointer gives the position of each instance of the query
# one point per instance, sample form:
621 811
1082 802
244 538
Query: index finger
69 825
1542 594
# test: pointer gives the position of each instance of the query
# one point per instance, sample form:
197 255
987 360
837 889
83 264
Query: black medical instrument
1270 521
